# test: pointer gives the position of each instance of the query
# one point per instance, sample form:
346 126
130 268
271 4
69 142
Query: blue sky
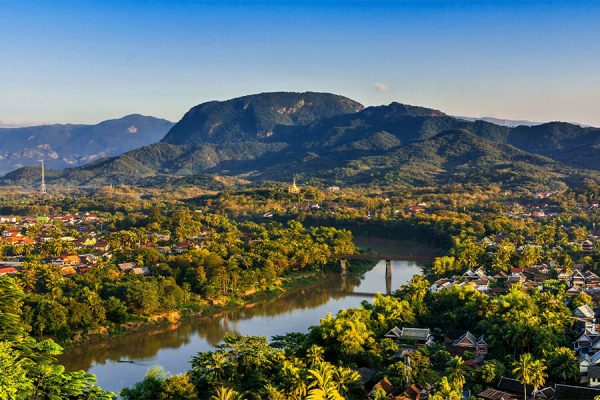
85 61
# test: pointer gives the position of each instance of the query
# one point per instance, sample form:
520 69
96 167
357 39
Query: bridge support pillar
343 266
388 277
343 272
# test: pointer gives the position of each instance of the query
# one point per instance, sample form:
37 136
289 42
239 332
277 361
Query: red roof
7 270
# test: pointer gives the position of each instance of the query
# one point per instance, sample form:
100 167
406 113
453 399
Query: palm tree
294 380
224 393
274 393
563 364
346 379
529 372
523 370
456 372
216 367
322 385
314 354
446 391
539 375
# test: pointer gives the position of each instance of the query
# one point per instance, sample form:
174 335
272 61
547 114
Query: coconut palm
224 393
529 372
346 379
294 380
446 391
322 385
314 354
216 366
539 375
456 372
563 364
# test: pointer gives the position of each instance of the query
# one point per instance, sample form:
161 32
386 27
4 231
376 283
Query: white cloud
381 87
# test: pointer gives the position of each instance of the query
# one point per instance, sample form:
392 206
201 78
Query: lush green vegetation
529 331
248 240
28 366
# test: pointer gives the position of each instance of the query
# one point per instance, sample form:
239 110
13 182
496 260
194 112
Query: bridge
343 258
387 257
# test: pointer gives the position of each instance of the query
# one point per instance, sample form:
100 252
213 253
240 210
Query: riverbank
202 308
122 360
292 282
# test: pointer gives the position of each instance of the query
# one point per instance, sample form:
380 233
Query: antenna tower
43 185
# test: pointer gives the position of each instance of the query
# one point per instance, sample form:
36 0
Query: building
469 342
293 188
421 336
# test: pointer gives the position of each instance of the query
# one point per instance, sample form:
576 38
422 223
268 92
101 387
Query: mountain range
70 145
330 139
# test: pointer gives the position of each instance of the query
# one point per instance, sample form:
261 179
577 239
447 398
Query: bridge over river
343 258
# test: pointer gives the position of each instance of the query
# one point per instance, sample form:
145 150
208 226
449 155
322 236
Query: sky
86 61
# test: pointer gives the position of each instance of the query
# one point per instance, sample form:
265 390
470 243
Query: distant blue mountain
71 145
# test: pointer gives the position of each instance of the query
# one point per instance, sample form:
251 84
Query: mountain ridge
335 137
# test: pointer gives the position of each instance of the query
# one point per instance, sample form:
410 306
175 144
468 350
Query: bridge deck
376 256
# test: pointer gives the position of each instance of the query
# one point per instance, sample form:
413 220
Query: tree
314 354
224 393
456 372
529 372
322 385
563 364
491 371
446 391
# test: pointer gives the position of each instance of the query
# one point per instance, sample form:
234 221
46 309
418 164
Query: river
173 347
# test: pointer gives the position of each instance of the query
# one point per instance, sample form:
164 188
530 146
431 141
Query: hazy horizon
85 62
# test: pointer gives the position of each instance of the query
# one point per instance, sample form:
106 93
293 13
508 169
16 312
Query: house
385 385
591 279
421 336
440 284
483 285
411 393
577 278
71 260
8 271
469 342
593 375
513 386
140 271
585 313
100 245
570 392
471 275
493 394
367 377
587 246
583 342
126 267
68 271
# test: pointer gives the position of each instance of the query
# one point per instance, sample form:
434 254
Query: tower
43 185
293 188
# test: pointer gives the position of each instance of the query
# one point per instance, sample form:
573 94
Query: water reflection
173 346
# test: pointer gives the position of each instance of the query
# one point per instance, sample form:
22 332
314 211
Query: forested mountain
335 140
255 117
72 145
